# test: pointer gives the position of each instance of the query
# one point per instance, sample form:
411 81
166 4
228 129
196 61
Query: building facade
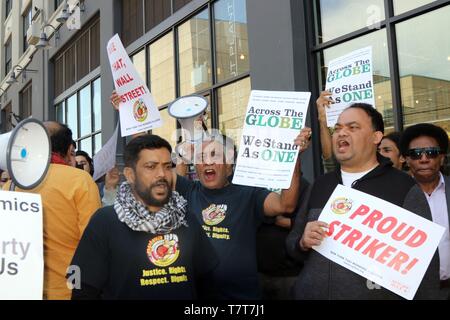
222 49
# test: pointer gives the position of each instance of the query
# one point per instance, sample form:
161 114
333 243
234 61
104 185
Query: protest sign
138 111
105 159
378 240
350 80
21 246
267 154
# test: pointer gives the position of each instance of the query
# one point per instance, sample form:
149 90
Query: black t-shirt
126 264
230 217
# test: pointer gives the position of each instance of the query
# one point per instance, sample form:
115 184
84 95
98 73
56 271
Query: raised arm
286 202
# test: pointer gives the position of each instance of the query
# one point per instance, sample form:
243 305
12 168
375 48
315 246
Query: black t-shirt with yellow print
230 218
124 264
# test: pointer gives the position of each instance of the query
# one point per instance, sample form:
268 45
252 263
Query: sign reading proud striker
378 240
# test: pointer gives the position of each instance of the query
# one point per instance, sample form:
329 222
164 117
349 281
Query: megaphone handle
12 186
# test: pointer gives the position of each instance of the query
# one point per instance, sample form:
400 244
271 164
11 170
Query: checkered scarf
136 216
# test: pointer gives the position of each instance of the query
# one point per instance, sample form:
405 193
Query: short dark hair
61 139
147 141
88 158
374 115
424 130
395 137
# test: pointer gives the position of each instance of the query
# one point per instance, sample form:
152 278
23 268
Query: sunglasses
430 153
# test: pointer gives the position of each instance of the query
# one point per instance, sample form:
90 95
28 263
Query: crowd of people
150 232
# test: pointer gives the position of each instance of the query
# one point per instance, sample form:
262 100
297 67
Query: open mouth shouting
209 174
342 146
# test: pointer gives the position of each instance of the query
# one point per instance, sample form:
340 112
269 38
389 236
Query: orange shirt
69 198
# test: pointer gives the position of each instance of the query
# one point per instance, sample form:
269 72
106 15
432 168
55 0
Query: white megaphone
189 110
25 153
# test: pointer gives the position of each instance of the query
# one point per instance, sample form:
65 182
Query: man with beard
145 246
357 134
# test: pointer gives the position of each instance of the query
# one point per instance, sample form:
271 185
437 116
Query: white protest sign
267 154
105 159
138 111
350 80
378 240
21 246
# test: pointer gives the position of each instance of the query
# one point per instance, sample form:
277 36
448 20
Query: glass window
230 19
162 70
97 104
8 54
168 130
85 111
72 116
26 22
61 112
139 62
194 54
401 6
233 101
339 17
381 76
86 145
424 62
8 7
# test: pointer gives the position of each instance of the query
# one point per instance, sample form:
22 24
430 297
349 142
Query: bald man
69 198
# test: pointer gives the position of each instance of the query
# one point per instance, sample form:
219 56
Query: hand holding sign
315 232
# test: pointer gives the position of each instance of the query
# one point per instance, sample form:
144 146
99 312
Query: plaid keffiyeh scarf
136 216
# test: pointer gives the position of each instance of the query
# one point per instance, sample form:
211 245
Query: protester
390 148
146 246
230 214
69 198
425 147
357 134
84 162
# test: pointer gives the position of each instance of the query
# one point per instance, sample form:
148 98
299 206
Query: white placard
350 80
138 111
21 246
379 240
267 154
105 159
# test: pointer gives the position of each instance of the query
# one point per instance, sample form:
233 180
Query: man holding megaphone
69 198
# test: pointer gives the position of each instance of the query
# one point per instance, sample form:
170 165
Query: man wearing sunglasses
425 145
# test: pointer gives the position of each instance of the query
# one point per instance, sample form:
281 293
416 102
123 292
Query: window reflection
139 62
85 111
97 104
401 6
86 145
194 54
233 101
230 19
339 17
162 70
72 115
424 62
97 143
381 77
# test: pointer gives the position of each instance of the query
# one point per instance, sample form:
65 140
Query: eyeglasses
430 153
